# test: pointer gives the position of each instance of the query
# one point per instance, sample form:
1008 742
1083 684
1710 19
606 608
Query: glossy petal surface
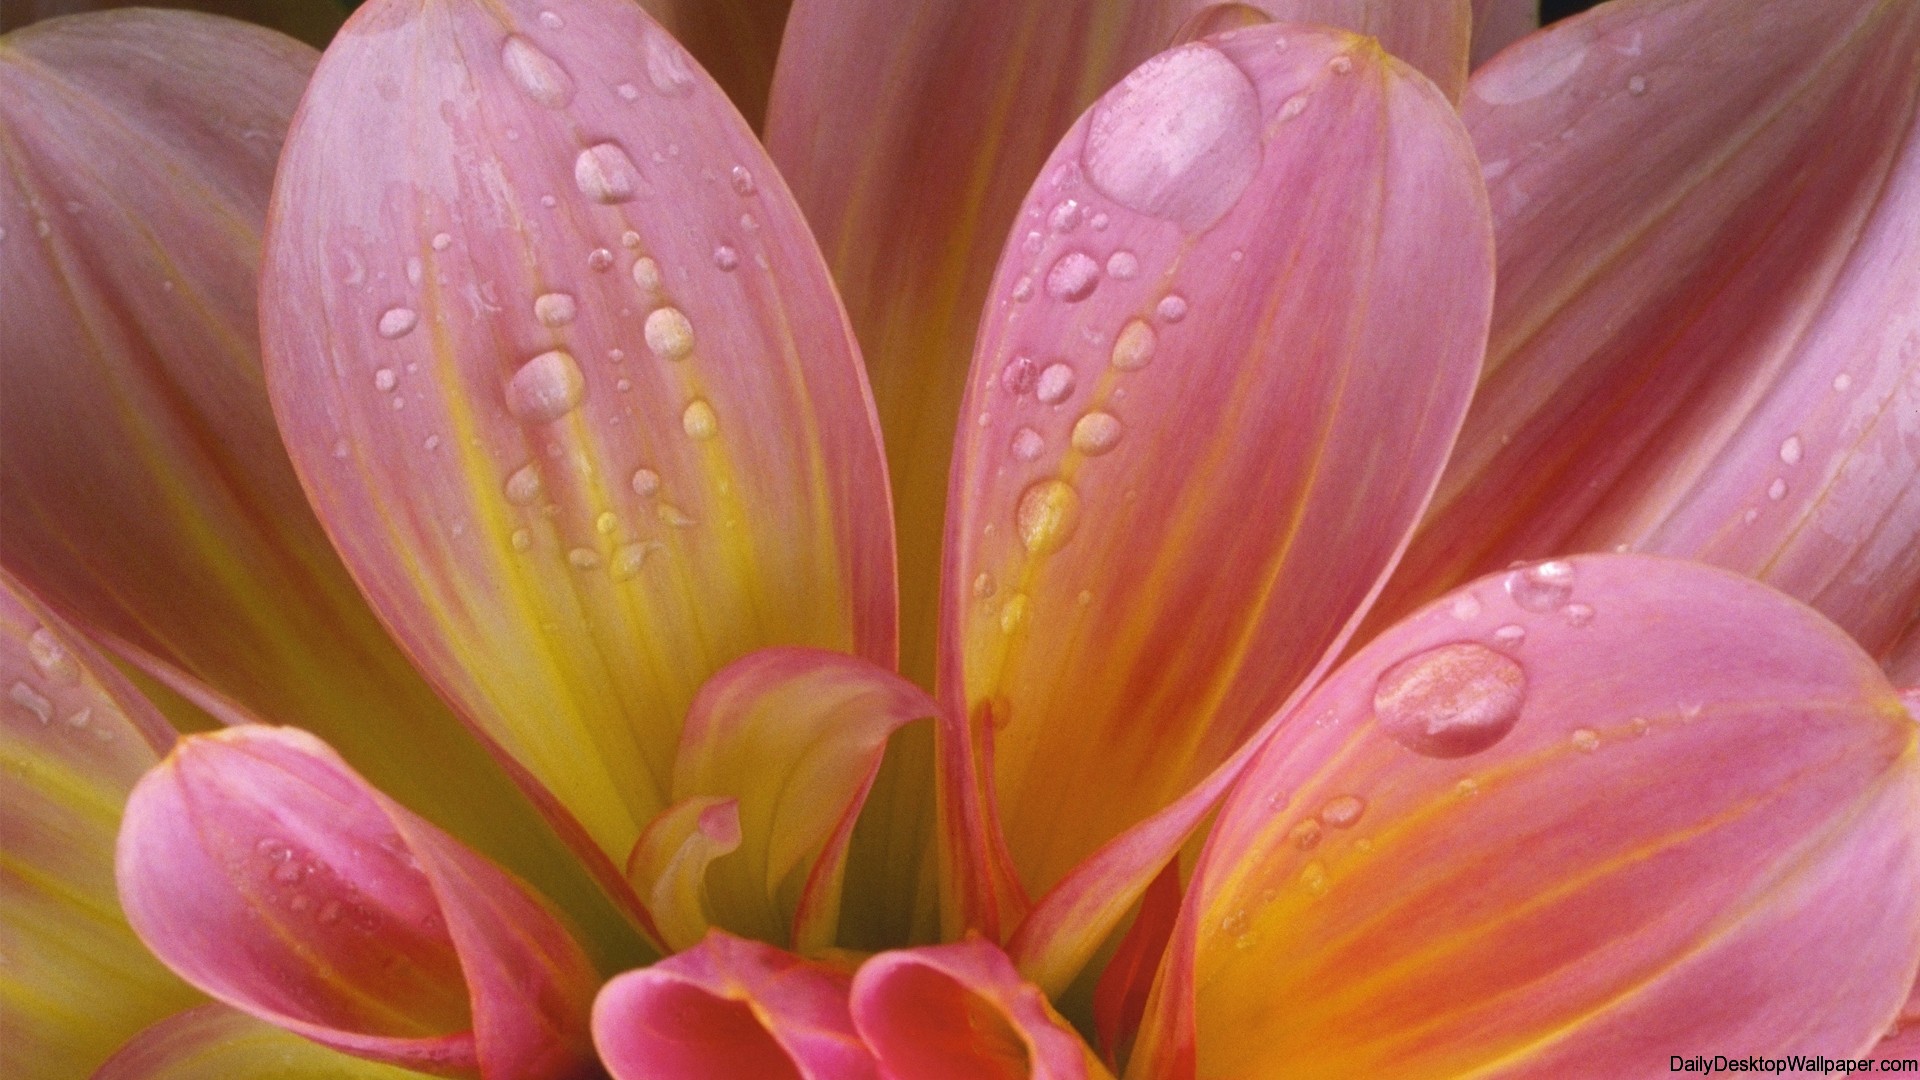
961 1012
1170 499
730 1008
144 486
263 870
567 381
1561 823
74 738
214 1042
1706 340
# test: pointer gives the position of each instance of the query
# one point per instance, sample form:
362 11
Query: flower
1200 726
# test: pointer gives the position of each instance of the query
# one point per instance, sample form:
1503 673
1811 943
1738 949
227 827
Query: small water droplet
1234 923
1341 65
31 700
1013 614
646 482
552 20
628 560
1511 635
1172 308
1640 725
1586 740
669 333
385 380
698 421
742 181
1791 450
1054 384
983 586
583 558
442 241
1541 586
1842 381
554 309
536 74
1073 277
667 66
1027 444
646 274
1465 606
1066 216
1343 811
546 388
1018 376
521 539
1577 614
599 259
1023 288
606 174
606 523
1100 222
1306 834
1122 265
51 659
1451 700
1313 877
1637 85
627 91
1777 490
1048 513
1134 347
1096 433
398 322
1293 106
524 486
725 257
675 517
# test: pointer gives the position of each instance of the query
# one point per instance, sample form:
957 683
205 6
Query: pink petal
144 487
74 738
1706 341
961 1012
563 373
737 42
263 870
1120 998
214 1042
773 724
1565 822
310 22
1499 23
1097 593
729 1008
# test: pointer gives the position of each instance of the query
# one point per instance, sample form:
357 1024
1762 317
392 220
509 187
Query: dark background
1560 9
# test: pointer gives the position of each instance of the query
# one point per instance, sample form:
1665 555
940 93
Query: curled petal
1560 823
214 1042
668 864
961 1012
730 1008
1706 338
566 379
267 873
74 738
1173 418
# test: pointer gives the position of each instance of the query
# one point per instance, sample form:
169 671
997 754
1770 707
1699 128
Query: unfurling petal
784 743
1563 823
143 486
912 205
74 738
1499 23
737 42
267 873
214 1042
668 865
961 1012
1706 340
567 381
1173 493
730 1008
1120 998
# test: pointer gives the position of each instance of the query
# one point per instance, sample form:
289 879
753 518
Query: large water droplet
698 421
1450 701
536 74
669 333
1134 347
1054 384
1048 513
1542 586
1073 277
646 274
606 174
554 309
398 322
1178 139
546 388
1096 433
1122 265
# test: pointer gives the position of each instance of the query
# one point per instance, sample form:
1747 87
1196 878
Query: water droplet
1066 216
742 181
1234 923
536 74
606 174
1048 513
1096 433
646 482
1637 85
1577 614
1313 877
1293 106
628 560
1343 811
1018 376
1465 606
1791 450
1585 740
33 701
1842 381
1512 634
1054 384
983 586
599 259
524 487
675 517
1073 277
1122 265
554 309
1027 444
546 388
725 257
1777 490
398 322
1640 725
698 421
1451 700
669 333
583 558
627 91
1023 288
51 659
1541 586
521 539
1134 347
1305 835
1172 308
667 66
552 20
385 380
1466 788
646 274
1013 613
1179 138
442 241
606 523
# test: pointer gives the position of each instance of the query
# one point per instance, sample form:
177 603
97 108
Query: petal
74 739
1499 23
313 23
961 1012
1563 823
1098 595
1706 340
729 1008
267 873
1903 658
1120 999
794 738
912 203
735 40
568 384
144 486
668 865
214 1042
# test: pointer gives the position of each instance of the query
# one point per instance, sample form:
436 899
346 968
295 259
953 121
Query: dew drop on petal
1027 444
1073 277
1512 634
741 180
1585 740
726 258
398 322
1122 265
1343 811
599 259
546 388
51 658
646 274
1054 384
1048 513
1306 834
669 334
1777 490
1178 139
606 174
554 309
1541 586
1134 347
1172 308
524 487
583 558
1096 433
1577 614
627 561
1450 701
1018 376
698 421
1791 450
667 66
537 75
385 380
646 482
